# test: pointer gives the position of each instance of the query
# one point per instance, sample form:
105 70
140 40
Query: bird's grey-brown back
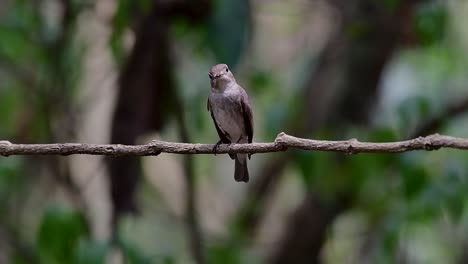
228 103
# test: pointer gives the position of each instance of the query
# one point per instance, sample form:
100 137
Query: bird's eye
227 70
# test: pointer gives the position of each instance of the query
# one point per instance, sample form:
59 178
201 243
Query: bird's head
221 76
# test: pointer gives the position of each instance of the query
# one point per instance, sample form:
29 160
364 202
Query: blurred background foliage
121 71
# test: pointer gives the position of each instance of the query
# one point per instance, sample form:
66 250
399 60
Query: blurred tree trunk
147 95
144 99
147 91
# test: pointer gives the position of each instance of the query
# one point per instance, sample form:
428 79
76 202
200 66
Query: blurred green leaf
412 110
10 105
442 193
307 163
91 252
453 193
319 171
391 226
9 176
20 31
259 81
120 22
224 253
415 179
229 30
132 254
13 44
392 4
17 259
357 169
165 260
60 231
382 134
358 29
431 22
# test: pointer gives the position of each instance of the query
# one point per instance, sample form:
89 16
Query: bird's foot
215 148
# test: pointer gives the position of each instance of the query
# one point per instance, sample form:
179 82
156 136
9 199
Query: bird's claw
215 148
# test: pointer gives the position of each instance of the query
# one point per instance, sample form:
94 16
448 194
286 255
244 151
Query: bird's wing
247 114
221 133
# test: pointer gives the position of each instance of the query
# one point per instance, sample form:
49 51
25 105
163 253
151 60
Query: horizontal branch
281 143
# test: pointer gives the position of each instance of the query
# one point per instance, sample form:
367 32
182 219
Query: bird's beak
210 75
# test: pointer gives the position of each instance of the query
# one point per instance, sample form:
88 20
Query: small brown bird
230 109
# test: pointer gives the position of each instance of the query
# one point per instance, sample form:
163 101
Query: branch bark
281 143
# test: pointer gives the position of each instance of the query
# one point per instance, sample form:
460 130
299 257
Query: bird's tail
241 172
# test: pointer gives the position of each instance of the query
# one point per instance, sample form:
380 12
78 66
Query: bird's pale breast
228 114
